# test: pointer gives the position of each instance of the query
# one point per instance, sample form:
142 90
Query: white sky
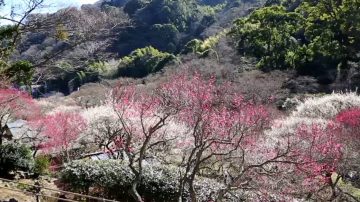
50 6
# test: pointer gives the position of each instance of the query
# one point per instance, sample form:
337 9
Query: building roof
19 130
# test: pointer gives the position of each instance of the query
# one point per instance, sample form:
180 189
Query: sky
50 6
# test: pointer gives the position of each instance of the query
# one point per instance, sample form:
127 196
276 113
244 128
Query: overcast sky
49 5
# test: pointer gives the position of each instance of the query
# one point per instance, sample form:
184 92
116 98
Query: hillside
76 46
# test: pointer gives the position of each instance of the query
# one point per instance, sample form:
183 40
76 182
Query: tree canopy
300 36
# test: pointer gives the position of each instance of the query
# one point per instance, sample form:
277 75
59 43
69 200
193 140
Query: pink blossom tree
350 122
223 133
15 104
321 152
61 130
223 130
315 155
143 117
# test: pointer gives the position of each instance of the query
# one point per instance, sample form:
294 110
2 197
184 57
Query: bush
42 164
144 61
113 179
14 157
205 47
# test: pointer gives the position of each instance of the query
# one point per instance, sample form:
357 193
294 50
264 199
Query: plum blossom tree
61 130
224 133
316 152
143 117
103 129
349 122
221 131
321 135
221 127
15 104
323 154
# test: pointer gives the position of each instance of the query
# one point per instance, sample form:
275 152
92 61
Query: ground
22 192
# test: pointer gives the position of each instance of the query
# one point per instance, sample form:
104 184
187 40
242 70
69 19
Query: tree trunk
134 193
181 189
67 156
35 152
192 192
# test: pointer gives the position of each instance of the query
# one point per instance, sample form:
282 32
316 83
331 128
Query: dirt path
6 194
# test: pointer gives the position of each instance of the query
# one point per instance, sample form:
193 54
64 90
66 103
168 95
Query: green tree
180 13
133 5
164 37
21 72
144 61
7 44
269 34
303 35
10 35
332 28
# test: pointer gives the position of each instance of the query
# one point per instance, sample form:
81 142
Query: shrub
205 47
113 178
14 157
42 164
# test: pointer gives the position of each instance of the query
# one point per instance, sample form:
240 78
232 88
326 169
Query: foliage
178 13
168 24
213 2
268 33
21 73
133 5
311 36
144 61
183 14
61 33
41 165
203 47
14 157
164 37
11 34
7 44
114 177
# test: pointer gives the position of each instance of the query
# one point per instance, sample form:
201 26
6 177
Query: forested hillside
184 100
